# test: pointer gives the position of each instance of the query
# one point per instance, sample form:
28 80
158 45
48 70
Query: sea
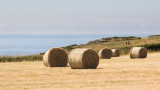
19 45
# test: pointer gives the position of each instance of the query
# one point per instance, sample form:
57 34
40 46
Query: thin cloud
2 25
115 19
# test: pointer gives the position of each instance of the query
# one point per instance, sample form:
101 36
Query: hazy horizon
34 26
79 17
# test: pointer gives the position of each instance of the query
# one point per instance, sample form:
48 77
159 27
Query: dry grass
117 73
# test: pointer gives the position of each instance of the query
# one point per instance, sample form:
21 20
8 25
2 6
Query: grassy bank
152 43
21 58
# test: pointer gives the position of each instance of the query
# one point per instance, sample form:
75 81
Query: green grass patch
152 47
21 58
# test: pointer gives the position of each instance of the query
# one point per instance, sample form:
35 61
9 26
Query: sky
79 17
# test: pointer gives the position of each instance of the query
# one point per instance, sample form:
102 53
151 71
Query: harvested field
116 73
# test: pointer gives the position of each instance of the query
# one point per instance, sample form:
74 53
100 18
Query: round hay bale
138 52
55 57
82 58
105 53
115 53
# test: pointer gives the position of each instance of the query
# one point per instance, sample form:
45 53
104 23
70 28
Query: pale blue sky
80 17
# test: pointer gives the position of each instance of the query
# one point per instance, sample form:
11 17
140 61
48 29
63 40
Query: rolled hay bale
115 53
138 52
83 58
55 57
105 53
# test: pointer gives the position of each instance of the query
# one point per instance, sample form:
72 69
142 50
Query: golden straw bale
105 53
115 53
138 52
83 58
55 57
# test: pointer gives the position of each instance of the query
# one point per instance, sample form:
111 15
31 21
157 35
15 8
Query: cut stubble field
116 73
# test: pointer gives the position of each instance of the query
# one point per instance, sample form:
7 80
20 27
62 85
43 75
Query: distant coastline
152 43
20 45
